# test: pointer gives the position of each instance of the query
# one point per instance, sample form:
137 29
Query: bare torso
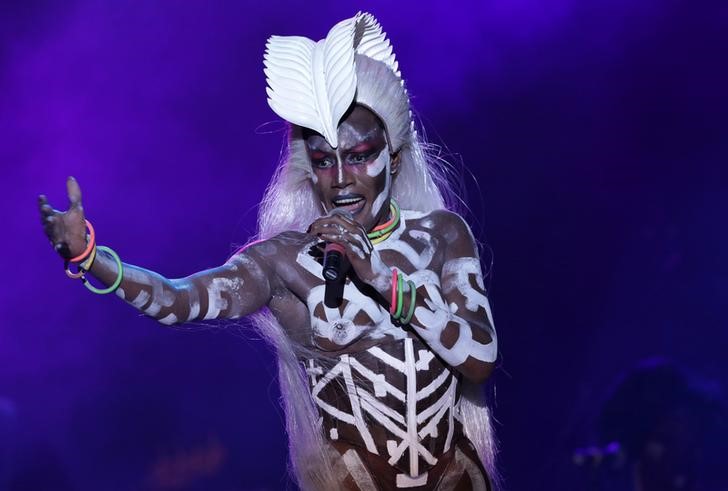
381 391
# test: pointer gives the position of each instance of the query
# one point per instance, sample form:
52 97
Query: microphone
334 255
334 268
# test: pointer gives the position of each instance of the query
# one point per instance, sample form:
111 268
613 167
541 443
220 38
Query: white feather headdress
312 84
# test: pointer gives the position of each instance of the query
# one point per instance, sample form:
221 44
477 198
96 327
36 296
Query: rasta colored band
89 246
86 265
383 231
413 302
120 274
82 268
400 287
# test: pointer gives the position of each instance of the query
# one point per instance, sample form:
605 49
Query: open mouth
352 203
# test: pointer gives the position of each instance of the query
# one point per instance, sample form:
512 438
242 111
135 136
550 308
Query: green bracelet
119 276
400 301
413 302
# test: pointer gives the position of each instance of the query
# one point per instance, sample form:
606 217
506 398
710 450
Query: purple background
596 134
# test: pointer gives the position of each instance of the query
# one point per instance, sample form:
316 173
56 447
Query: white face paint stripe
381 198
381 163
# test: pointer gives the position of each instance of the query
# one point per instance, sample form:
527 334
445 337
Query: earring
394 157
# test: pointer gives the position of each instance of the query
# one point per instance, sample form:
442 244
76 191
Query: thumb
74 192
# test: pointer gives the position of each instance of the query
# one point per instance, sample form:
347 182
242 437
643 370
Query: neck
384 214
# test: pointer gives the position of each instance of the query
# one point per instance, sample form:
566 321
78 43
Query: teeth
346 201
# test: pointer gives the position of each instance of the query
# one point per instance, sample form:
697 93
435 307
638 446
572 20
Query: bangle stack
86 259
396 305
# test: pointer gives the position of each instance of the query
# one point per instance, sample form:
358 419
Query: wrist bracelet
120 274
400 285
413 302
393 300
89 246
82 268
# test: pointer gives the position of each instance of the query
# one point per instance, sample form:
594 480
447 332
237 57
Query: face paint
355 176
384 196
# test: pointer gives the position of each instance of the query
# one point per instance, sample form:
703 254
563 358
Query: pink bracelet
89 246
393 302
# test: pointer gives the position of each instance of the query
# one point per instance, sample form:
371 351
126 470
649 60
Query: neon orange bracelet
89 246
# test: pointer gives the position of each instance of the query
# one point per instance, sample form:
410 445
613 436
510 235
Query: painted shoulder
282 245
445 223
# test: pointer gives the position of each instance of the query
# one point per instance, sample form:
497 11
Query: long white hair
289 204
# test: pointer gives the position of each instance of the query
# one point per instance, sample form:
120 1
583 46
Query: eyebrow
322 146
361 146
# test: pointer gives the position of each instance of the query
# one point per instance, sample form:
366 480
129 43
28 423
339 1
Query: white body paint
458 271
338 326
410 427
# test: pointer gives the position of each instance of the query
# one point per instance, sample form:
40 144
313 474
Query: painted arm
452 314
239 287
233 290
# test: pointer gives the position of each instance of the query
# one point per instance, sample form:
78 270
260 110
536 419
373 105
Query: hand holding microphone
347 246
335 265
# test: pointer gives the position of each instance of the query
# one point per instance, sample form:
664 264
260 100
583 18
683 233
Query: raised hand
65 229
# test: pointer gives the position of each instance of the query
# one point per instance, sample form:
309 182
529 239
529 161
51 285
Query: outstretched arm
239 287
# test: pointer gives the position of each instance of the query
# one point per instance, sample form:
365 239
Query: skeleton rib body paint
451 295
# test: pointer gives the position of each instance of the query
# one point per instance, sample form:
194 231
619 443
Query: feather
312 84
371 41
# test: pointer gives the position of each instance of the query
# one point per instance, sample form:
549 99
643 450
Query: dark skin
270 273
